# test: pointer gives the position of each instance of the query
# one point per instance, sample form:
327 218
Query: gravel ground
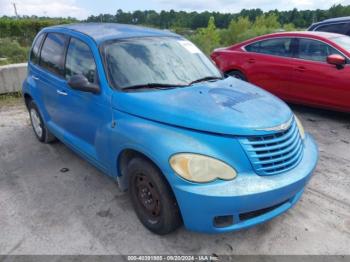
82 211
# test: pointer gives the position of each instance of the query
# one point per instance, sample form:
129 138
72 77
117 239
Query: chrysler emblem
281 127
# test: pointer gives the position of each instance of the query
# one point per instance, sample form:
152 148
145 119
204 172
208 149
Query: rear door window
34 54
80 60
53 53
276 46
314 50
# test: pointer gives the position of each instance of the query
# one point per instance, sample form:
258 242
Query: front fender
159 142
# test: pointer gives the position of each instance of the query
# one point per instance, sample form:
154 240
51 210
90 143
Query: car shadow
326 113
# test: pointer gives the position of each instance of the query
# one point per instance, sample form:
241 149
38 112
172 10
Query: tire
39 127
152 197
237 74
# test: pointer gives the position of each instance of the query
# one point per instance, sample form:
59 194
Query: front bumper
248 200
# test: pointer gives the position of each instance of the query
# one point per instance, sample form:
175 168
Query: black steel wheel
152 197
148 196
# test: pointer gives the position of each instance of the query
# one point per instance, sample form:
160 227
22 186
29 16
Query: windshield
156 60
343 41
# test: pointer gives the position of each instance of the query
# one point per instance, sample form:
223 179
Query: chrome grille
275 153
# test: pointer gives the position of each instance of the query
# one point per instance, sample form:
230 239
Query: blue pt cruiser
149 109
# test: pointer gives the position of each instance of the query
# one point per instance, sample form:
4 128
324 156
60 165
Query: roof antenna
14 6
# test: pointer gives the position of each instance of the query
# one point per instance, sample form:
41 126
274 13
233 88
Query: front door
88 116
316 82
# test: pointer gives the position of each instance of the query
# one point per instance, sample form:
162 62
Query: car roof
331 20
312 34
336 19
306 34
101 32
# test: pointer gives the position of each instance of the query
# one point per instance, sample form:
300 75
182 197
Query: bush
16 36
207 38
239 30
25 29
12 51
242 29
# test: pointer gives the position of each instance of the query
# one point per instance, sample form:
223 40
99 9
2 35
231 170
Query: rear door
268 64
34 72
315 81
50 78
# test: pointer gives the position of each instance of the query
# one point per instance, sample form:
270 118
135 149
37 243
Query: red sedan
311 68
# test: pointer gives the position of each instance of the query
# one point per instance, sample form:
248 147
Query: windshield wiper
162 86
203 79
153 85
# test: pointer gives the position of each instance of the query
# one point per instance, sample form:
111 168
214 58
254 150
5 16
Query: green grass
10 99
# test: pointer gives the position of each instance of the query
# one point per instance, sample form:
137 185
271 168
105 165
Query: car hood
229 106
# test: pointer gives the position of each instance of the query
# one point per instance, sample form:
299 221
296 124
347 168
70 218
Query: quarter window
52 53
253 47
34 54
80 60
277 46
315 50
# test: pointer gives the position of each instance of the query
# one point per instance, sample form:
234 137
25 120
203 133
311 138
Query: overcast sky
83 8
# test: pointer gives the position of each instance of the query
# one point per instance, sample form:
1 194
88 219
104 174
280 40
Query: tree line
26 27
194 20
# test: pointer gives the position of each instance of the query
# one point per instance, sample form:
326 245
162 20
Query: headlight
201 169
300 127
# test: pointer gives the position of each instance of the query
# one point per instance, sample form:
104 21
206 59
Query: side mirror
336 60
81 83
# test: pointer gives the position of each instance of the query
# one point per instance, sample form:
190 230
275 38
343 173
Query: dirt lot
46 211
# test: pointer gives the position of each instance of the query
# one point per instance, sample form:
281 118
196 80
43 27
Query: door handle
251 61
300 69
35 78
61 93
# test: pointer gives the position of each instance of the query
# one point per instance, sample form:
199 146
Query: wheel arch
124 158
236 69
27 98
